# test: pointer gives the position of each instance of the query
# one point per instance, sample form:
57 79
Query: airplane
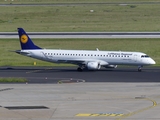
85 59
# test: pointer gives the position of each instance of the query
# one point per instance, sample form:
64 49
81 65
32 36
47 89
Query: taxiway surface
118 94
55 74
80 101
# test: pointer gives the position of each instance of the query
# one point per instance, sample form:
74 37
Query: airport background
117 94
79 16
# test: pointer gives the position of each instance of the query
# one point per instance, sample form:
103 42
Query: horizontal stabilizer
21 52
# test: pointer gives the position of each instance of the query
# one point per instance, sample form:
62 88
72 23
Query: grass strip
69 1
64 18
12 80
7 58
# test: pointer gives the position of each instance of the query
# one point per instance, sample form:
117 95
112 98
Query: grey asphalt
118 94
55 74
84 34
80 101
78 4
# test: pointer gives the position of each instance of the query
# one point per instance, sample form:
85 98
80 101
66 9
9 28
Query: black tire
79 69
139 69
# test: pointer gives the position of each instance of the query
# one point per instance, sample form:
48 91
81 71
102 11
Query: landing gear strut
79 69
140 68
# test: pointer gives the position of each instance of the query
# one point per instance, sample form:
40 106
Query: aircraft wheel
140 68
79 69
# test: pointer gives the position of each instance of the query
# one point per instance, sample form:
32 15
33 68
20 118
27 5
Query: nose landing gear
140 68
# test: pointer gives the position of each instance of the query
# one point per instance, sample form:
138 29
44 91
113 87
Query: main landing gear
140 68
79 69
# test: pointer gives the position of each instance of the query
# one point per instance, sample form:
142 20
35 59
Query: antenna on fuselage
97 49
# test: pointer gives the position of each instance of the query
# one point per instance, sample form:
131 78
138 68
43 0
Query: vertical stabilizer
25 41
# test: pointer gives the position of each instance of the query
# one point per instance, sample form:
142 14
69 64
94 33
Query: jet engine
110 66
93 66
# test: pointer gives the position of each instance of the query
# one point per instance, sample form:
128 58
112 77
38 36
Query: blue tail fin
26 42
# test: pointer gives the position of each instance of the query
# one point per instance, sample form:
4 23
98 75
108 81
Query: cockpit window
144 56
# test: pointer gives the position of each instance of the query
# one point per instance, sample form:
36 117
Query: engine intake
93 66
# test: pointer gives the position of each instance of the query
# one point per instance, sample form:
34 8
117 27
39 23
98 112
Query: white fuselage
85 59
80 56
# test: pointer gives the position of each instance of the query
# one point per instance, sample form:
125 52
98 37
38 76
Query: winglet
97 49
25 41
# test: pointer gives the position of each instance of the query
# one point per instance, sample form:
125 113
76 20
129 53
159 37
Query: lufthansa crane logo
24 39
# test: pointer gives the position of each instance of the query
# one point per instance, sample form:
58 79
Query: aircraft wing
72 61
83 61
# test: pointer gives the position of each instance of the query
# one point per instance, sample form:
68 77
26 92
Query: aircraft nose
152 62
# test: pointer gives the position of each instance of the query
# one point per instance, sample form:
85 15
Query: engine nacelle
110 66
93 66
